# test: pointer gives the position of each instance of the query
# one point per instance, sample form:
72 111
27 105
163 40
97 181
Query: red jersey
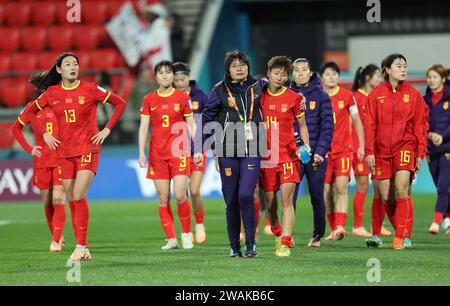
361 101
280 112
44 120
395 120
166 112
343 106
76 111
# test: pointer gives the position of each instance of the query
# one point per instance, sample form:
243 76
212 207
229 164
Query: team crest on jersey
381 99
406 98
228 171
312 105
81 100
152 172
284 108
176 107
341 104
360 167
379 172
195 105
445 106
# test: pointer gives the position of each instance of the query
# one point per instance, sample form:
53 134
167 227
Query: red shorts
338 165
160 169
272 178
46 178
385 168
359 167
203 166
70 166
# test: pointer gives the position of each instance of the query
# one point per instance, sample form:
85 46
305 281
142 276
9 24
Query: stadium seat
43 14
104 59
47 59
9 39
7 139
114 7
86 37
104 40
94 12
34 38
84 58
18 13
2 14
5 63
13 93
60 38
24 62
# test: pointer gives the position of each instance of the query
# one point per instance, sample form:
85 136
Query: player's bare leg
341 209
59 205
288 220
330 209
362 187
163 191
184 209
198 205
81 186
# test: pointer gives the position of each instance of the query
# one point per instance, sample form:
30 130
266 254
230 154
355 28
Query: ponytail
362 74
357 80
44 80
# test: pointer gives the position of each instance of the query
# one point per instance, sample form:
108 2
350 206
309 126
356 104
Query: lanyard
232 101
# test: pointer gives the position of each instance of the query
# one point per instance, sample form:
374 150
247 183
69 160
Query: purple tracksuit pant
439 164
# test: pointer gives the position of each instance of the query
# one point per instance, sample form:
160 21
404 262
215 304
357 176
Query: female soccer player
394 135
341 155
437 98
74 104
168 110
319 120
198 99
234 106
366 79
281 168
46 176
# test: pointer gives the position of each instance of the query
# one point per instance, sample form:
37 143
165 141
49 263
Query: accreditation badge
248 132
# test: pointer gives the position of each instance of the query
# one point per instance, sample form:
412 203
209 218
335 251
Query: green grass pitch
126 236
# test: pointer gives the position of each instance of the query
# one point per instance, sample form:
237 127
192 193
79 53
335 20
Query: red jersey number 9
165 119
70 115
49 127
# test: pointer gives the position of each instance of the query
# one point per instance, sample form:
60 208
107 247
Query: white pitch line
5 222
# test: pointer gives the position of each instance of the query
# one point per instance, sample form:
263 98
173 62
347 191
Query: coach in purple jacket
319 119
233 104
437 98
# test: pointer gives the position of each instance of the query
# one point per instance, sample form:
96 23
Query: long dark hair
44 80
387 63
361 74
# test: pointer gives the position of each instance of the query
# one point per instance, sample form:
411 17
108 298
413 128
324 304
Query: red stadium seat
5 62
13 93
114 7
47 59
18 13
94 12
7 139
9 39
86 37
104 40
104 59
24 62
2 13
34 38
60 38
84 58
43 13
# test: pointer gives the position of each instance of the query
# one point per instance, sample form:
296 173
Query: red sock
331 221
49 211
257 212
438 216
199 216
287 241
358 209
74 217
340 219
410 221
166 221
184 213
59 220
277 230
390 211
377 216
401 217
82 216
